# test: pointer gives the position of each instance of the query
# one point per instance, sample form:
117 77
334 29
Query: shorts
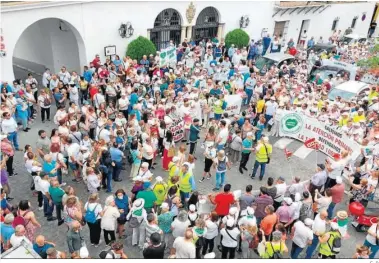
217 116
73 166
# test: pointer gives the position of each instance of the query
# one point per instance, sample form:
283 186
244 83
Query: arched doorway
167 26
206 24
48 43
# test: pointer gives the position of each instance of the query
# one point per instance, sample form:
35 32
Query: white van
348 90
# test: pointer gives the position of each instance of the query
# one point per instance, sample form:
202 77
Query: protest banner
330 139
233 104
177 129
167 56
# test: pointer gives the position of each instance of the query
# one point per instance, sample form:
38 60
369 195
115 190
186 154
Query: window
334 25
354 22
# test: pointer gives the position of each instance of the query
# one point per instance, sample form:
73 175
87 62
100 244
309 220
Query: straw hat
342 214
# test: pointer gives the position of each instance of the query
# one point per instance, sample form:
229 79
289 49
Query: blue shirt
310 43
116 154
122 204
215 92
194 133
87 75
43 249
57 96
246 143
47 167
117 62
20 113
119 140
6 232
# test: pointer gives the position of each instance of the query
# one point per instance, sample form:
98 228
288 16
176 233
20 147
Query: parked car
349 90
353 38
319 48
276 59
333 67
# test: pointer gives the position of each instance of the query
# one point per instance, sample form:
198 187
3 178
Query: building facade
53 34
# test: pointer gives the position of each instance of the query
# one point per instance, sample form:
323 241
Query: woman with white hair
109 219
229 239
137 217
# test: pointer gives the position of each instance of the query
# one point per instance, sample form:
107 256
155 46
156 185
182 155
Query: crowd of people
115 123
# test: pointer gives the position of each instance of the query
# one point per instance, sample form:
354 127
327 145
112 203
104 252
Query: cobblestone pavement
279 166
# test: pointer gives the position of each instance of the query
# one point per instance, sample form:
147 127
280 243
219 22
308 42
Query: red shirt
223 202
337 193
96 62
93 91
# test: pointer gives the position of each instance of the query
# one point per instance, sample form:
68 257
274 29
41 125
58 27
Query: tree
370 63
139 47
238 37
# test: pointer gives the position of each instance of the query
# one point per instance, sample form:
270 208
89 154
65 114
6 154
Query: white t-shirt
44 186
41 100
184 249
319 225
370 238
337 169
73 150
280 191
228 241
223 135
179 228
104 134
123 103
212 229
147 152
16 240
302 234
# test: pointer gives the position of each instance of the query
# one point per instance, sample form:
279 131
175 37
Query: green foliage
369 63
238 37
139 47
372 62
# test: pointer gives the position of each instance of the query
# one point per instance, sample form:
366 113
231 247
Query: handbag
268 158
171 151
134 223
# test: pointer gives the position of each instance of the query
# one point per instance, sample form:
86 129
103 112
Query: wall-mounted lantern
244 21
126 30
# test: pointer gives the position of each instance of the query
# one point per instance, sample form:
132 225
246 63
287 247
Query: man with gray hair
296 187
302 236
18 236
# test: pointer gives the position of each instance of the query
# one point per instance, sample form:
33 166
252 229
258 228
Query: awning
297 10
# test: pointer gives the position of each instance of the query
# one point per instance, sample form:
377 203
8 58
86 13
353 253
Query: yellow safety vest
261 154
343 122
326 248
160 190
172 169
358 118
217 107
184 182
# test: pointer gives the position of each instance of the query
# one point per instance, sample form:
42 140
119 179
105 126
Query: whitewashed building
52 34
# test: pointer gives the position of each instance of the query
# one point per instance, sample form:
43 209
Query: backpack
277 253
336 245
46 102
103 254
224 105
221 165
20 220
90 215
